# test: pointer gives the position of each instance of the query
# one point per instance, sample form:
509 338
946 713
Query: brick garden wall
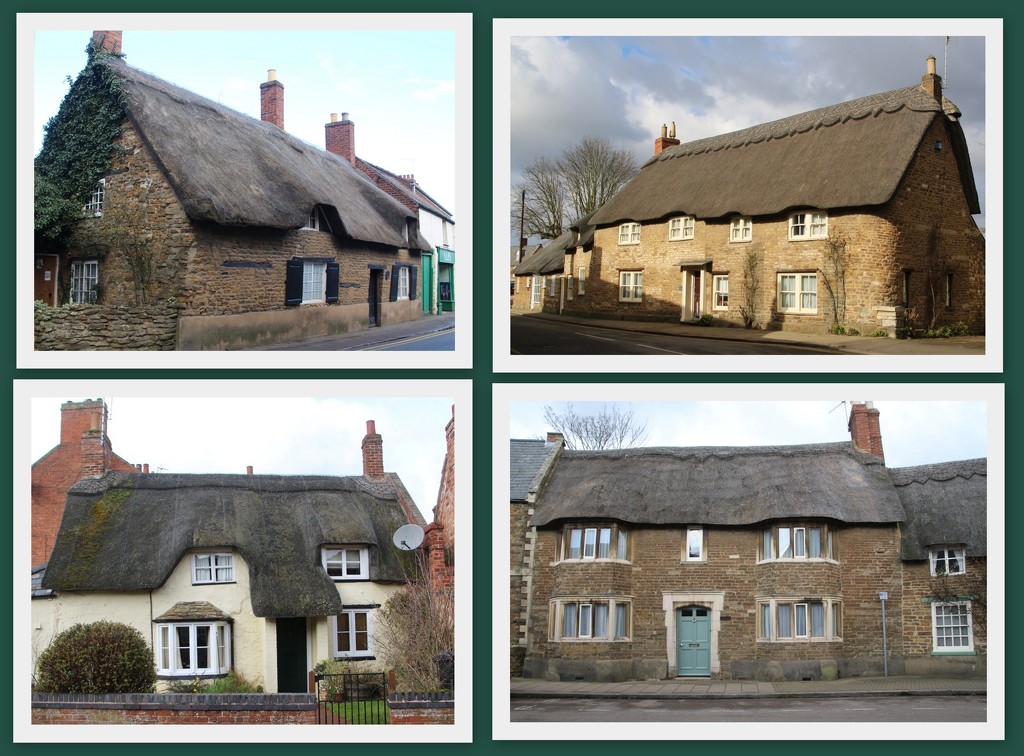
422 708
172 708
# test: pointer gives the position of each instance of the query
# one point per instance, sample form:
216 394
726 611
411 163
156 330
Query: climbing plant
78 145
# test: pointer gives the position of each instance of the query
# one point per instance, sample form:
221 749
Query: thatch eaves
127 532
946 504
847 155
551 257
233 170
719 486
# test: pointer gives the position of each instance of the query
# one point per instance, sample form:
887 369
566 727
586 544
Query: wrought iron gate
352 698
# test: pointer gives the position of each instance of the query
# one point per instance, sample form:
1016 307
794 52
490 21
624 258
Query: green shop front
446 279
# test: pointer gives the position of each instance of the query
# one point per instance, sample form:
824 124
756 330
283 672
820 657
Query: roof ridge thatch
939 471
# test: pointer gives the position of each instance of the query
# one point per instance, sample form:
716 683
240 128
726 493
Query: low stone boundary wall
174 708
422 708
98 327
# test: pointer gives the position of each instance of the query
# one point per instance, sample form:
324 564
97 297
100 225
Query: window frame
574 619
344 576
775 613
403 283
798 292
631 286
684 224
573 540
214 567
770 547
85 277
94 206
968 623
167 649
717 292
813 225
691 533
352 633
314 282
536 291
629 233
934 559
741 230
581 280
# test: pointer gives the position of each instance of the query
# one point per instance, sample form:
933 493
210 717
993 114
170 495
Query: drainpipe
883 595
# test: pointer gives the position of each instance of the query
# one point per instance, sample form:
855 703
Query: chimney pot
334 117
340 137
248 470
931 65
272 74
344 116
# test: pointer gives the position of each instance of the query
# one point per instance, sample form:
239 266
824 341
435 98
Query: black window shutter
394 283
333 280
412 282
293 282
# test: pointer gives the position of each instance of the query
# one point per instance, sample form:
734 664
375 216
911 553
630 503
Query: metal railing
352 698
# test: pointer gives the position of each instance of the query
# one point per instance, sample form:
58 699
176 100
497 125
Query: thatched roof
127 532
551 257
846 155
527 457
529 249
233 170
720 486
945 504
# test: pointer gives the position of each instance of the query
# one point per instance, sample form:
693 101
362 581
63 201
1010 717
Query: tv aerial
408 537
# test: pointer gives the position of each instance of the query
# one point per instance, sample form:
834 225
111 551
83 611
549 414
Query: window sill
165 675
589 640
799 640
689 238
369 657
798 560
954 653
214 582
595 560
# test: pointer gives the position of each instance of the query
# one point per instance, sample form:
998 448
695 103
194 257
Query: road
427 342
824 709
535 336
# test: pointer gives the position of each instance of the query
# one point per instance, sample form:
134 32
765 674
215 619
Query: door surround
672 601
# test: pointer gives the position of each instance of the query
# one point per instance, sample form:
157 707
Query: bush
102 657
705 320
852 332
878 333
837 329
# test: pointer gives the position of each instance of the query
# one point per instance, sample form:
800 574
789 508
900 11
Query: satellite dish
408 537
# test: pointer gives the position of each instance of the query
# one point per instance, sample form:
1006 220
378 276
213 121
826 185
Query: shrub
102 657
852 332
878 333
961 329
705 320
332 686
838 329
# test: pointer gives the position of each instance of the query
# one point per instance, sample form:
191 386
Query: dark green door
427 267
291 655
693 640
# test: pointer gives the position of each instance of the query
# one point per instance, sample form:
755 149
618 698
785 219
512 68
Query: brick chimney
373 452
931 81
340 137
107 42
666 140
864 428
95 449
555 438
272 100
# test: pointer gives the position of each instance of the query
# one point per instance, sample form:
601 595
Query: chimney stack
340 137
107 42
931 81
666 140
373 452
865 429
555 438
248 470
272 100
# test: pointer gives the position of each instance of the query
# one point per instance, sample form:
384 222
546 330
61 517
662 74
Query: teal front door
693 642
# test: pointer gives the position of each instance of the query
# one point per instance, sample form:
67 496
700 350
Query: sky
624 88
274 434
398 87
913 432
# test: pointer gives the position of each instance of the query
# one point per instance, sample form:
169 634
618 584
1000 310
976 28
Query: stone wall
105 327
174 708
422 708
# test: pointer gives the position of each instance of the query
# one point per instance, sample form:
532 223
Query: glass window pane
589 543
785 620
801 620
766 620
622 544
785 546
184 648
695 541
817 620
586 612
620 620
575 539
601 620
814 543
605 543
569 621
766 544
798 543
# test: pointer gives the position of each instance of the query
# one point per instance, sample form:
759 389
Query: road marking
592 336
670 351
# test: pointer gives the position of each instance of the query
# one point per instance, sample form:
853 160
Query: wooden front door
46 279
373 298
291 655
693 642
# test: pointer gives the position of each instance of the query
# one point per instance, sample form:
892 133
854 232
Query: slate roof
128 531
846 155
233 170
193 611
945 504
527 458
720 485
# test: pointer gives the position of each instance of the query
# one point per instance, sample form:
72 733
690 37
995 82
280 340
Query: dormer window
346 562
947 560
313 221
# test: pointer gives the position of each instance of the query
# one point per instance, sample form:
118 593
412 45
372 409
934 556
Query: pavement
683 688
955 345
355 340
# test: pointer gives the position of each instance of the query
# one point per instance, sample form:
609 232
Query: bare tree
543 213
593 170
581 179
833 276
751 289
613 427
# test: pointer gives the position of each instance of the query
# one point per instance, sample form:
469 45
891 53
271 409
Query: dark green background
486 264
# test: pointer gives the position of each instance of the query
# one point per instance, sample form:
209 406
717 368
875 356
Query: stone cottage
203 228
856 215
261 576
552 277
744 563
